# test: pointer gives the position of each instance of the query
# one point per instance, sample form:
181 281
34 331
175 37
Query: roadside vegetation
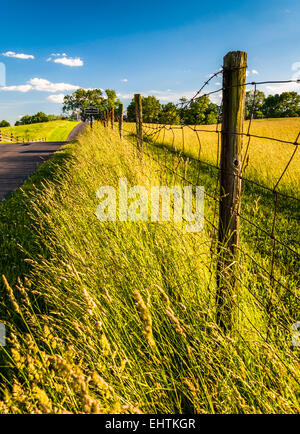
119 317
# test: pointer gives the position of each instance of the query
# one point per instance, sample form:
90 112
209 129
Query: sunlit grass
53 131
267 158
118 317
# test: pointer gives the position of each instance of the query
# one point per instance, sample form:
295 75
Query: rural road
18 161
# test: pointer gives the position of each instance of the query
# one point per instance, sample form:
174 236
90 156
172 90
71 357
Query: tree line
203 111
200 111
34 119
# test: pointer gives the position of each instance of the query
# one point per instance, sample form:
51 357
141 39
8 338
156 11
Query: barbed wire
266 259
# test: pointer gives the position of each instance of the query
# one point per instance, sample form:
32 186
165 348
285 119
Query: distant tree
4 124
81 99
57 118
183 108
195 112
151 109
25 120
199 111
39 117
212 114
254 104
130 115
284 105
169 114
111 101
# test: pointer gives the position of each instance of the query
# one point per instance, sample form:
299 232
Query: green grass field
118 317
54 131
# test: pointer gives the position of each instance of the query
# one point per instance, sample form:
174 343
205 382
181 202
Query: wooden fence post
112 118
234 80
121 121
139 120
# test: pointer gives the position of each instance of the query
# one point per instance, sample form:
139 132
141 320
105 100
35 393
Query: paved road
18 161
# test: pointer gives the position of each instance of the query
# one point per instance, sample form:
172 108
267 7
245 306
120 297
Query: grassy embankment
119 317
53 131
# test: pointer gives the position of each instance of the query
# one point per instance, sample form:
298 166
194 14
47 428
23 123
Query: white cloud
163 95
251 72
69 61
21 88
58 98
296 68
124 95
168 95
18 55
54 55
283 87
44 85
124 80
64 60
287 87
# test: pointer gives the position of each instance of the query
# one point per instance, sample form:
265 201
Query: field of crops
53 131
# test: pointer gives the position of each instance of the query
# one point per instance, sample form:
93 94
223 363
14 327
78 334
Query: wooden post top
235 59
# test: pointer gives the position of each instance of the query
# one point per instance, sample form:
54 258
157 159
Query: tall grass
119 317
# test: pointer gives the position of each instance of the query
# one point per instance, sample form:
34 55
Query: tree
212 114
25 120
284 105
57 118
169 114
82 99
4 124
151 109
195 112
39 117
254 104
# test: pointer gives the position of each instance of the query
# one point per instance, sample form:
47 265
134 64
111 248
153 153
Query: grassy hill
119 317
53 131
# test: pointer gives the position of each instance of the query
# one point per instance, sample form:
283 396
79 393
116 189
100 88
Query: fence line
268 253
11 138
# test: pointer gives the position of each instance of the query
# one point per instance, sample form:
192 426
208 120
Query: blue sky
165 48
